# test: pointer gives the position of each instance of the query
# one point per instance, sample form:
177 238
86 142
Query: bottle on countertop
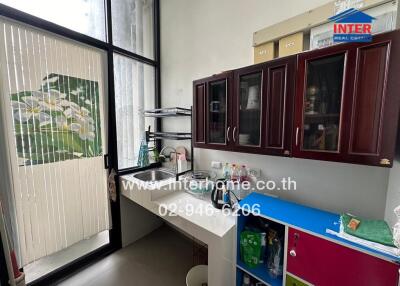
226 172
234 173
243 175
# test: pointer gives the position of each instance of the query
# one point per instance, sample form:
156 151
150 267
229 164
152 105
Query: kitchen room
209 93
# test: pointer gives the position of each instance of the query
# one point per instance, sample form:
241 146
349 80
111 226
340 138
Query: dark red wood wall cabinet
212 111
246 110
347 102
337 104
263 107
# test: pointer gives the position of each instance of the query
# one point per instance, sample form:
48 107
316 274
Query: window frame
110 159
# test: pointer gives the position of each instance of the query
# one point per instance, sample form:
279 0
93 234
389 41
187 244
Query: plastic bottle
246 280
226 172
243 176
234 173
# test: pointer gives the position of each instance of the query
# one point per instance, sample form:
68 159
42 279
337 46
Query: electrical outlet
216 165
254 172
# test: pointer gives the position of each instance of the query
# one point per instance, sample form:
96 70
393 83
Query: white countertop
198 211
196 217
178 203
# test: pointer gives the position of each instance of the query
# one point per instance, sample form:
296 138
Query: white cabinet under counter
196 217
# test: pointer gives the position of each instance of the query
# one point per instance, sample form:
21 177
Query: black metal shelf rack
168 113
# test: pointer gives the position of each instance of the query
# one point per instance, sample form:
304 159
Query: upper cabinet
322 85
247 110
212 111
338 104
263 107
346 103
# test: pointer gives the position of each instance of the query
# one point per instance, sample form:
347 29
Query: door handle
227 133
297 136
234 132
293 253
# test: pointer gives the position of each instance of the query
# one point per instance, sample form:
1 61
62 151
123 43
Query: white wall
200 38
393 192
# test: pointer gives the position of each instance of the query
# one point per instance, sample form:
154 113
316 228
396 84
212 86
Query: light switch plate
216 165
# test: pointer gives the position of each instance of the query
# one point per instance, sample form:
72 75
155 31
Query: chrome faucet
161 155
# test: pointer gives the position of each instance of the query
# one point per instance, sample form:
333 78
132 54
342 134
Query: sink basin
153 175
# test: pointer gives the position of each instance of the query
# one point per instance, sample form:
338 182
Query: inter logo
352 25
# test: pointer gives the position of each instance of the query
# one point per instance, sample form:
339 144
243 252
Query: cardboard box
291 45
264 52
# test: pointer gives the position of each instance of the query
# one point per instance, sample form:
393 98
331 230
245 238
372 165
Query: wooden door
278 106
199 113
324 85
374 109
218 129
247 104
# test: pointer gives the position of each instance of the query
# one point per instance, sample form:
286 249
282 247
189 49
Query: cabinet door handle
234 132
227 133
297 136
293 253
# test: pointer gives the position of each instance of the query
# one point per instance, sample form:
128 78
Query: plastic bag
250 248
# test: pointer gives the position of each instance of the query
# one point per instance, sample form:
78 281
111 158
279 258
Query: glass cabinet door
217 112
250 90
322 103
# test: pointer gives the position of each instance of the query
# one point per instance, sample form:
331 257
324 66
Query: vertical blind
52 112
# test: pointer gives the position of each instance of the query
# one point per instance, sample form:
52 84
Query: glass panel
323 103
217 112
249 109
134 93
132 22
84 16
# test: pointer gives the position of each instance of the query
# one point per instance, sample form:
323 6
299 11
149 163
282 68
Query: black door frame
112 157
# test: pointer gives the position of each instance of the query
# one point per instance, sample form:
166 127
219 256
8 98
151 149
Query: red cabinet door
325 263
278 106
199 112
212 112
323 90
247 106
262 109
347 103
375 102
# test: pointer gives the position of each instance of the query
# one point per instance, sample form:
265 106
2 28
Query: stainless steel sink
153 175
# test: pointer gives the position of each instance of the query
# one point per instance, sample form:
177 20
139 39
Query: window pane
84 16
132 22
134 93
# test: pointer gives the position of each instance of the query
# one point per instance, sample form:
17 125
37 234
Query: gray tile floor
160 259
49 263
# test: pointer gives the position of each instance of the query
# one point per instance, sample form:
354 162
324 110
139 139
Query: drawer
291 281
322 262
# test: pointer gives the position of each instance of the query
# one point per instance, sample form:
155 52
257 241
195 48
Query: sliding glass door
53 110
70 73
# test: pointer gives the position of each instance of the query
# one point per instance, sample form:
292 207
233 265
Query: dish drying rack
159 135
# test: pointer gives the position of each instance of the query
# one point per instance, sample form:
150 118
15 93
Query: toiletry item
263 246
234 173
243 175
246 280
226 172
182 163
226 196
143 159
275 254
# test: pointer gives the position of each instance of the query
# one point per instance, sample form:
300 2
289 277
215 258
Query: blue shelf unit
259 273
